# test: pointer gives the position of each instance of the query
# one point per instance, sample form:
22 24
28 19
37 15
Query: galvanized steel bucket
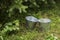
45 24
31 22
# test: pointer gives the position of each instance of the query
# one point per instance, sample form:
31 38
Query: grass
36 34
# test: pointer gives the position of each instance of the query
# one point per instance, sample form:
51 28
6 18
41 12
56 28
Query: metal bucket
44 24
31 22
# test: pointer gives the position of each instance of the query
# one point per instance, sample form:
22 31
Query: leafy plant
51 37
11 26
1 38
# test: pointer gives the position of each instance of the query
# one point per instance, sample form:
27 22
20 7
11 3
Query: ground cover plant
13 22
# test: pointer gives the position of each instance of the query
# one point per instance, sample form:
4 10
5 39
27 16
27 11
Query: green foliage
51 37
1 38
13 13
27 7
27 36
10 27
18 4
